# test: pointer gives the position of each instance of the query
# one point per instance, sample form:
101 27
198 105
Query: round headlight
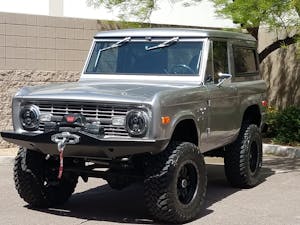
29 117
137 123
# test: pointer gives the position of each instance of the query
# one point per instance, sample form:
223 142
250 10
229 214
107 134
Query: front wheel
175 185
36 180
243 158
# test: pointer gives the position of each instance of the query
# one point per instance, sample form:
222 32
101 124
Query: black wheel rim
253 157
187 183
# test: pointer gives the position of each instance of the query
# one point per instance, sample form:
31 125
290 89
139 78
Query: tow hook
62 139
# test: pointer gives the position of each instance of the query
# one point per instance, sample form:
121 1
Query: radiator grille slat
102 112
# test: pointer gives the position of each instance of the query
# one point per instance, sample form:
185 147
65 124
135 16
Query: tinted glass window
141 58
209 74
217 61
244 60
220 57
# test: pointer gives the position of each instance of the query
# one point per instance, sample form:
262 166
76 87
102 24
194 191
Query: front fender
181 117
168 130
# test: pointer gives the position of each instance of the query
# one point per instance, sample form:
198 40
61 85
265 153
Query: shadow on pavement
127 206
218 188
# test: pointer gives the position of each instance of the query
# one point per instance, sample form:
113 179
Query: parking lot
276 201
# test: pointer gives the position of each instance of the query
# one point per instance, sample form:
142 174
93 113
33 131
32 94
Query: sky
201 14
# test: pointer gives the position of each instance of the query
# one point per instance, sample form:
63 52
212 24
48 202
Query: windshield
168 57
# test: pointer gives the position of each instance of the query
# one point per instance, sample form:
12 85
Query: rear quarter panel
250 93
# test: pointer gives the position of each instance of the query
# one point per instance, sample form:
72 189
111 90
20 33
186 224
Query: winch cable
62 139
61 146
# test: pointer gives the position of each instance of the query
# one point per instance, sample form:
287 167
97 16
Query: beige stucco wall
29 42
281 71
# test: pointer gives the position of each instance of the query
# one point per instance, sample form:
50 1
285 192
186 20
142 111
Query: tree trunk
276 45
253 31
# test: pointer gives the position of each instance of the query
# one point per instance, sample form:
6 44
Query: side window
220 57
209 67
217 61
244 61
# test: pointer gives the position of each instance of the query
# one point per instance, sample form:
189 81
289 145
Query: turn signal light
165 120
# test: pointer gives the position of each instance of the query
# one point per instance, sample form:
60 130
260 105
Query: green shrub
284 125
271 121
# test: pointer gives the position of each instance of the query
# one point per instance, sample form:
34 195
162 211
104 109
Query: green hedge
284 125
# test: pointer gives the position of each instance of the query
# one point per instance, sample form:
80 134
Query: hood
107 91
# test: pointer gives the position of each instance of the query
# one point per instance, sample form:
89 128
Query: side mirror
223 77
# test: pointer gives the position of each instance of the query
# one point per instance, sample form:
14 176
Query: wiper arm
164 44
115 45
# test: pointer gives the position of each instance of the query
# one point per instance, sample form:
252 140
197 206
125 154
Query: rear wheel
243 159
175 186
36 180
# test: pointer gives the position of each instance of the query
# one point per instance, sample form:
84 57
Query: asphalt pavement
276 201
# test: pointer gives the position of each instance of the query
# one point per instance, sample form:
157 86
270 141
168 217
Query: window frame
211 50
86 74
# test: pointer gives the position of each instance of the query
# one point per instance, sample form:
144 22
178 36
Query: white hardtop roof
174 32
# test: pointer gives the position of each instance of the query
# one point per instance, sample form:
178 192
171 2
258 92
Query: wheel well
252 114
186 130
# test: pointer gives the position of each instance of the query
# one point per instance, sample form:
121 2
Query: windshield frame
198 78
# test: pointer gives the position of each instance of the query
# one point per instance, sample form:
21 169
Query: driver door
223 99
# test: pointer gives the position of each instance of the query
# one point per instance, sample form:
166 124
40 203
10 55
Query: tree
275 14
140 9
250 14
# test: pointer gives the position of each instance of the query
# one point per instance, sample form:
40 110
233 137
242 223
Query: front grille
90 111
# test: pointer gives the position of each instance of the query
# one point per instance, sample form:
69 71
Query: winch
66 126
73 123
62 139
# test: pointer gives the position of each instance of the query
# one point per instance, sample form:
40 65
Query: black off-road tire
243 158
167 174
34 186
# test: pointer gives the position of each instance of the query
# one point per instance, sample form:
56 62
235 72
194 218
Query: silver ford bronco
150 104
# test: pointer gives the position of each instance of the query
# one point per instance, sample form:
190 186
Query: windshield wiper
164 44
115 45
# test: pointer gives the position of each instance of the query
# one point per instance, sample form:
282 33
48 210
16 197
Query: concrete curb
283 151
7 160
